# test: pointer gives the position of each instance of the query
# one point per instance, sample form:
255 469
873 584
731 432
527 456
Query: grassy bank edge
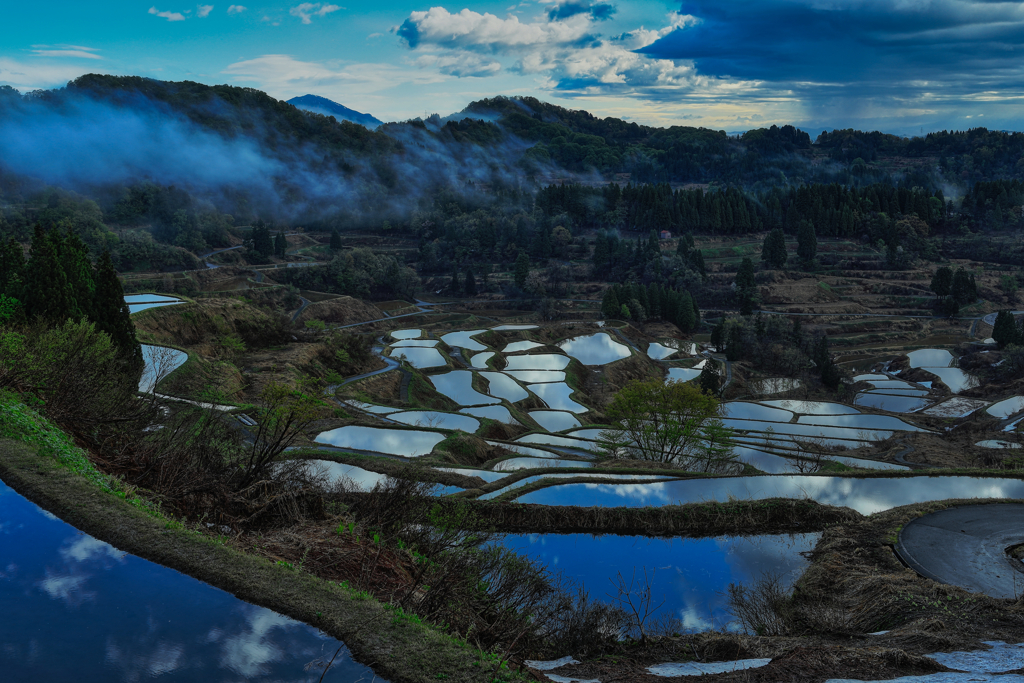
398 647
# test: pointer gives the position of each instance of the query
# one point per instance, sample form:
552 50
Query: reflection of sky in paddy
553 440
537 463
537 375
406 334
595 349
364 480
683 374
866 496
930 358
504 387
956 379
77 609
499 413
464 340
148 298
516 347
658 351
433 418
138 308
407 442
409 343
525 450
159 361
804 430
419 357
894 404
1007 407
458 386
480 359
693 574
813 407
569 475
753 411
861 422
501 328
554 420
556 396
540 361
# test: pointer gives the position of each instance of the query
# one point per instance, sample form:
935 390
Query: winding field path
966 546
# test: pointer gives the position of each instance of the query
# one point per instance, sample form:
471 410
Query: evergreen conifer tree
1004 331
280 245
698 263
48 294
710 379
455 285
74 260
806 243
610 305
12 268
111 313
522 270
773 252
470 282
335 240
942 281
696 314
262 242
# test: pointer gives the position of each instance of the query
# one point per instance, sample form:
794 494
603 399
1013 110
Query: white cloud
204 10
469 30
169 16
284 76
67 588
38 75
87 547
65 51
307 10
236 9
461 64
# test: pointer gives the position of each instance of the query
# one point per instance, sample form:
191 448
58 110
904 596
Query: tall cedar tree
806 243
709 378
773 252
470 282
942 281
12 268
522 269
280 245
610 305
111 313
1004 331
74 259
49 295
262 242
335 240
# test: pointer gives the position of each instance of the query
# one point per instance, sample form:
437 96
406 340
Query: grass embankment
770 516
44 465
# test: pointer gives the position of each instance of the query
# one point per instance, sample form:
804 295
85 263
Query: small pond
159 361
660 351
683 374
406 334
554 420
404 442
556 396
149 298
516 347
690 576
595 349
894 404
480 360
78 609
464 340
436 419
541 361
1007 407
813 407
499 413
458 386
930 358
504 387
754 411
866 496
419 357
537 463
536 376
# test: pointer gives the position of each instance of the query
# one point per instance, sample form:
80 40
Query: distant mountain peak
322 105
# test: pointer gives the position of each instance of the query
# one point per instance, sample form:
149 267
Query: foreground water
77 609
691 575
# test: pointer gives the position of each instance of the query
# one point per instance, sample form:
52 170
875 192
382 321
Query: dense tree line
359 273
59 282
651 302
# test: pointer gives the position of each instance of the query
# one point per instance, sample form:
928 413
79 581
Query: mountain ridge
322 105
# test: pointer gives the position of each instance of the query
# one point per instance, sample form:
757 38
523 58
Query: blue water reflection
77 609
692 575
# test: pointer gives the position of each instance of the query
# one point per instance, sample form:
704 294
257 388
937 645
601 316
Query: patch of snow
702 668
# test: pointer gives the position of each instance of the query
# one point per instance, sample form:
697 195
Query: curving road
966 546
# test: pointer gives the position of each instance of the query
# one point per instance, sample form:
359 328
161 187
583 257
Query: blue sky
895 65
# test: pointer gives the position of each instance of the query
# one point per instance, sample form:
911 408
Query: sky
900 66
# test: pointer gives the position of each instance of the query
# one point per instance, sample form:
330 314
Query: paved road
966 546
305 302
